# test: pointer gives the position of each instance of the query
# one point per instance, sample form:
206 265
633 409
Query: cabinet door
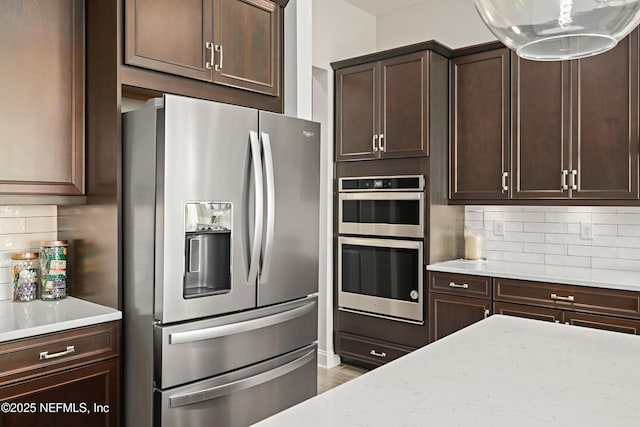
247 45
169 36
540 95
605 123
356 112
81 389
450 313
405 106
43 94
527 311
479 126
607 323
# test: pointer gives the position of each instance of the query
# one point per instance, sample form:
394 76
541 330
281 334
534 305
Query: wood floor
329 378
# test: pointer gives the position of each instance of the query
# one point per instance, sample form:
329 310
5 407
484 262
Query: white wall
340 31
454 23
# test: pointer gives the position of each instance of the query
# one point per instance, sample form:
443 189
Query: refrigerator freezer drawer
201 349
242 397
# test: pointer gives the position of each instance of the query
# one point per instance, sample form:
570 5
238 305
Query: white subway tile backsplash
569 261
568 217
544 248
629 253
616 218
545 227
616 264
524 216
494 245
551 235
6 291
473 208
605 230
593 251
41 224
28 211
23 228
12 225
628 230
524 237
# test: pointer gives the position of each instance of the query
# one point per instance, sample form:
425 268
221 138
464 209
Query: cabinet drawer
460 284
607 323
568 297
369 350
25 358
528 311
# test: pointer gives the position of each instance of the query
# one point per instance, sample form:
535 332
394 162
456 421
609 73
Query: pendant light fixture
554 30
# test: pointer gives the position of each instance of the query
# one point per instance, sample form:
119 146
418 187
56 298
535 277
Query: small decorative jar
26 274
54 270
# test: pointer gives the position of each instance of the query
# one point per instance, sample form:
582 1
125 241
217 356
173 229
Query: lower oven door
241 397
381 277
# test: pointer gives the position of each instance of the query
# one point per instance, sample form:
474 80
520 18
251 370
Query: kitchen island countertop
502 371
581 276
28 319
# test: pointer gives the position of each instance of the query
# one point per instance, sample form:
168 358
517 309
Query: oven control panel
382 183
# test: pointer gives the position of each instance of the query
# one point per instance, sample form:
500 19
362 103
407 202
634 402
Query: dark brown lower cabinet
85 396
67 378
370 351
450 313
607 323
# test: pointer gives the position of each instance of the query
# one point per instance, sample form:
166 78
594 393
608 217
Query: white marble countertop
502 371
611 279
27 319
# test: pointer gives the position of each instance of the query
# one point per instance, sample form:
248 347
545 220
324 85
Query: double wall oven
380 246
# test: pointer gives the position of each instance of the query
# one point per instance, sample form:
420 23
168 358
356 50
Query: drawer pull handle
455 285
555 297
375 353
45 354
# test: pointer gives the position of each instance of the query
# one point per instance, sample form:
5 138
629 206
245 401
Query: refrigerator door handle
259 208
240 327
271 208
236 386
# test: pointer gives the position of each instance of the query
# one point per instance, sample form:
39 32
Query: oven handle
384 243
259 214
408 195
243 384
240 327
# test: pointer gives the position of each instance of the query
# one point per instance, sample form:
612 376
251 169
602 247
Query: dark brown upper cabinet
234 43
382 108
43 97
575 126
541 139
479 126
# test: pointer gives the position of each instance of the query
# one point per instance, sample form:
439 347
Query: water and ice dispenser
207 249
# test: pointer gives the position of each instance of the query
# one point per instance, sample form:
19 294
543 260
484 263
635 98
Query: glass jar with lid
26 274
54 269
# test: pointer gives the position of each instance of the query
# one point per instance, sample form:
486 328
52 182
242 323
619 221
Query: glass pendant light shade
553 30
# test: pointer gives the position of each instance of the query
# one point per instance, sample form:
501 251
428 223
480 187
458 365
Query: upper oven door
397 214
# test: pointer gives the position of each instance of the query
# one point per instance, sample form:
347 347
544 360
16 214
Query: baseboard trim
328 360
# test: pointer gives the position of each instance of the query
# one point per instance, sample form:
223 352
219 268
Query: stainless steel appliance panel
206 155
242 397
384 201
290 255
397 293
190 351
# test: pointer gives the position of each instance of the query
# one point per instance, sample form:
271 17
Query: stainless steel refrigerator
220 262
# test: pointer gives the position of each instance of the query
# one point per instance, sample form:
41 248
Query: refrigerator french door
220 215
